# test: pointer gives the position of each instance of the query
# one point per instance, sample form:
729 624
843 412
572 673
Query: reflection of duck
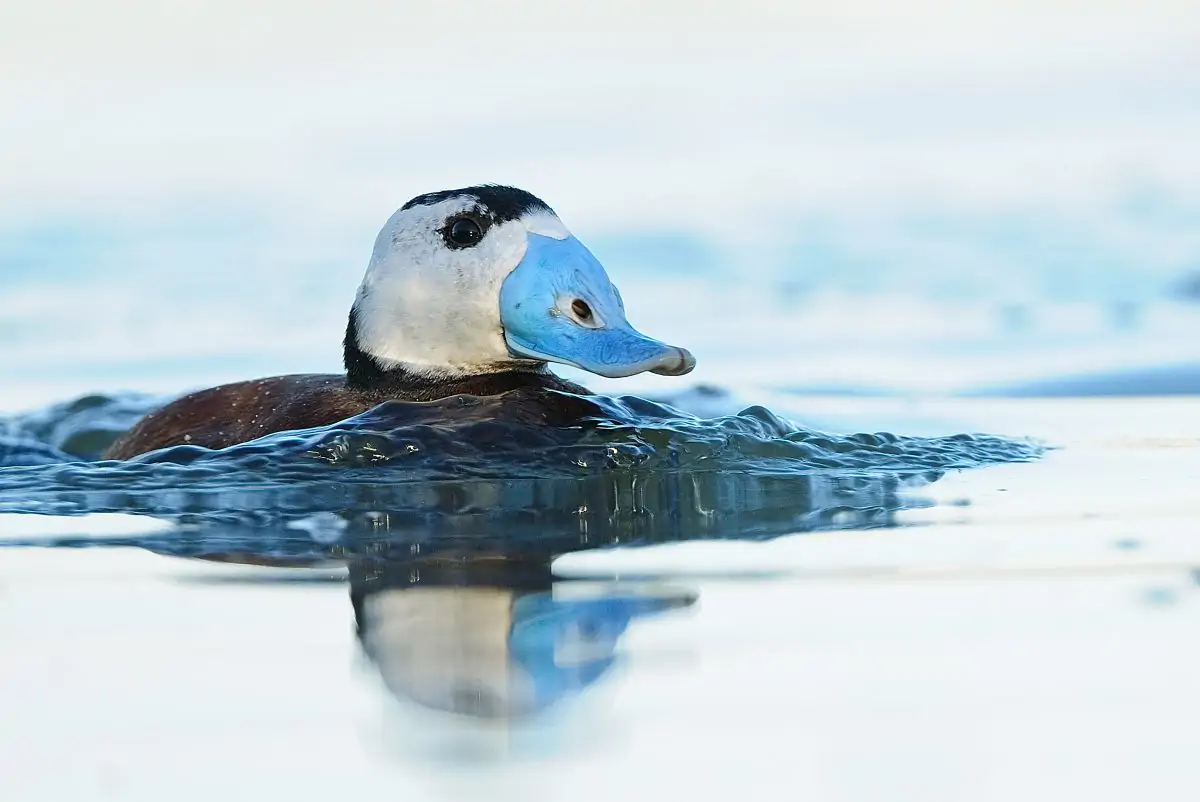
455 599
468 291
491 636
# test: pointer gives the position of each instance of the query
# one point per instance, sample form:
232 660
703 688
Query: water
1012 627
450 475
447 517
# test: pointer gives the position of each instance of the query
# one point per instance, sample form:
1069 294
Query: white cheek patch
436 309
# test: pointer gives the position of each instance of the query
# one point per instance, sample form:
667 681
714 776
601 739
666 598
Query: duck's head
488 279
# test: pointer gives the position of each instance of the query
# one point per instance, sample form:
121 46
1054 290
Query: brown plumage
236 413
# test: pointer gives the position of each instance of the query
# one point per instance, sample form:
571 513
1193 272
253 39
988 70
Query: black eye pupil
465 231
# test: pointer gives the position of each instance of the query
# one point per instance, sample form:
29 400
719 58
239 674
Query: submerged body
468 292
237 413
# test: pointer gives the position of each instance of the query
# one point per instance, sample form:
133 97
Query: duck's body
237 413
468 292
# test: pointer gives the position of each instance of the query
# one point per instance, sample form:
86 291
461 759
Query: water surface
995 626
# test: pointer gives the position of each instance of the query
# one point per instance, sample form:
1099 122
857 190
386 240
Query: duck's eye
463 232
581 309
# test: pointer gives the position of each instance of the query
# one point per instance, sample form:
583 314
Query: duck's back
237 413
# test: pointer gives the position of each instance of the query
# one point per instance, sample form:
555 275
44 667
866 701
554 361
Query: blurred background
925 198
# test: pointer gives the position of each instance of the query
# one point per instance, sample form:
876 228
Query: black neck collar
364 373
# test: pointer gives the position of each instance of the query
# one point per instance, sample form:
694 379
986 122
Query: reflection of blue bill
567 644
495 652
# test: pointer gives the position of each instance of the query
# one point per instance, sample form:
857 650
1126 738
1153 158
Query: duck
468 292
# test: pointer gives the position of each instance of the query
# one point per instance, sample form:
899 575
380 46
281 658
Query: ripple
631 470
446 519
